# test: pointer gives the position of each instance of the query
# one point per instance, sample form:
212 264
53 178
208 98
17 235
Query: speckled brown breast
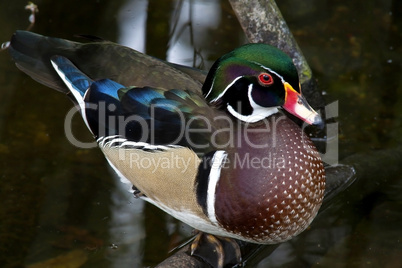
268 195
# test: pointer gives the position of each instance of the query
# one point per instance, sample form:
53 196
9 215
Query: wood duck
223 155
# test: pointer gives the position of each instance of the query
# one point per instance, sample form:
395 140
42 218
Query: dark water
61 203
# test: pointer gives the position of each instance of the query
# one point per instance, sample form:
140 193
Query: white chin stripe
259 112
218 160
257 115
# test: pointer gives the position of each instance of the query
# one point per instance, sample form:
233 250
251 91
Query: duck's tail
32 54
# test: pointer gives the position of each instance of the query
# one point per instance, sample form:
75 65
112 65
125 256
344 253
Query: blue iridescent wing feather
165 116
140 114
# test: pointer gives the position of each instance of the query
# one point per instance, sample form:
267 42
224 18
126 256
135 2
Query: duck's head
253 81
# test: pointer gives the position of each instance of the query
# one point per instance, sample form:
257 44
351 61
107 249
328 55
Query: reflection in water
190 28
189 24
131 22
126 227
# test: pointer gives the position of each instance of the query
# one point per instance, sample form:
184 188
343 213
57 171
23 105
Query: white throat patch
258 113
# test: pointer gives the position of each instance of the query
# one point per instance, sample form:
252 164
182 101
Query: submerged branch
262 22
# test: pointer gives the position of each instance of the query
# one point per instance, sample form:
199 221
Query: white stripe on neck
218 161
259 112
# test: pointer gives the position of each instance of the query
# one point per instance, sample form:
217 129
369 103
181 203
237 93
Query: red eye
265 79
